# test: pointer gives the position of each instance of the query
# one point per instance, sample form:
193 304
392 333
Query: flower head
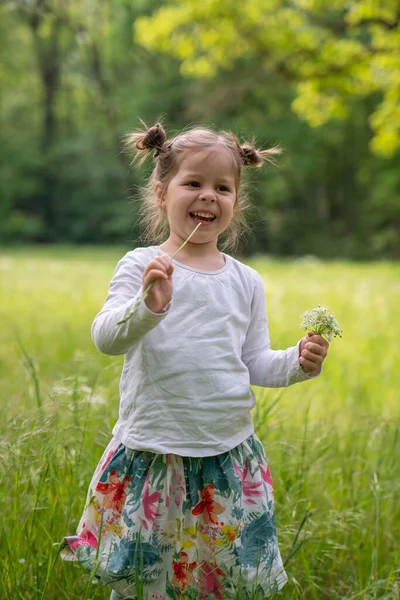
183 571
322 321
208 507
115 491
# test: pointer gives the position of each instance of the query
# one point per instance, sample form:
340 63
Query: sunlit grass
333 443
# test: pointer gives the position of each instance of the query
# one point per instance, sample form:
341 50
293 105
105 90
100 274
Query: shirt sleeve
268 368
124 292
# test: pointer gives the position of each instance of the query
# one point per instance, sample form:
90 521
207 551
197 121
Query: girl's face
203 190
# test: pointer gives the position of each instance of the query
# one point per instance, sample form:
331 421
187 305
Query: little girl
181 505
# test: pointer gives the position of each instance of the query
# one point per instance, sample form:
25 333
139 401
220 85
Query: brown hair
168 155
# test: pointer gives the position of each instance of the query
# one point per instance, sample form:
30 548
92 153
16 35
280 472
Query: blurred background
320 78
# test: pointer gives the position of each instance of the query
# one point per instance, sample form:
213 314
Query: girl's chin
200 237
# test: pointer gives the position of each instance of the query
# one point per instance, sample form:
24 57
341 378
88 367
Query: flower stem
186 241
147 290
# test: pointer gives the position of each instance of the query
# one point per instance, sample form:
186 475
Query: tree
332 52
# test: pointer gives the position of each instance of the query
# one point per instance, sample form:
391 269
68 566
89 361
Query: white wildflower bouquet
322 321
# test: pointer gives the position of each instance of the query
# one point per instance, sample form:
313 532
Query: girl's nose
207 196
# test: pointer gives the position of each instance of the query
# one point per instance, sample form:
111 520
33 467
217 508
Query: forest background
320 78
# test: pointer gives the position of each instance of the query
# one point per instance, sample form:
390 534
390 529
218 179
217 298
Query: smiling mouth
202 217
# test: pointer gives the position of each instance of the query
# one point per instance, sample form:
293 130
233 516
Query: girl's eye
223 188
193 184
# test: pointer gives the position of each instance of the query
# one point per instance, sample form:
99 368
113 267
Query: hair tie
165 146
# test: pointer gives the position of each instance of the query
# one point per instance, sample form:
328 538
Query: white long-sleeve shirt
185 384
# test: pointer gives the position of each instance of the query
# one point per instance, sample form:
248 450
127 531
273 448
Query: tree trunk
49 65
110 109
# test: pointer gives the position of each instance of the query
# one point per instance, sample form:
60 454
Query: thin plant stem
295 548
50 568
32 370
147 290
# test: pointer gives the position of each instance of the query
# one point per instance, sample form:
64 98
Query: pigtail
251 157
142 142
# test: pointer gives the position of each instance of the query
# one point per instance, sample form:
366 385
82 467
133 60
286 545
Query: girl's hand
312 352
160 271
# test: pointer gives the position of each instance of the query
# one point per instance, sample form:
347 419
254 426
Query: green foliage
332 51
74 81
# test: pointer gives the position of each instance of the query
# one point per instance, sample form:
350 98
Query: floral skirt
167 527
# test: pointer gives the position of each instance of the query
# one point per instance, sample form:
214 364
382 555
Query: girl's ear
159 195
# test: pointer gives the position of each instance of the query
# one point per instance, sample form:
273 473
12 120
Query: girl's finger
152 275
163 262
318 339
308 366
310 357
314 348
167 263
154 264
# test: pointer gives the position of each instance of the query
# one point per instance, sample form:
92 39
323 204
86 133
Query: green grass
333 443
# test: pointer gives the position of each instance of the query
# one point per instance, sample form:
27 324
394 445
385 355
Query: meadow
333 443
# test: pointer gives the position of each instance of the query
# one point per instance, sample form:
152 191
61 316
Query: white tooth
201 214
